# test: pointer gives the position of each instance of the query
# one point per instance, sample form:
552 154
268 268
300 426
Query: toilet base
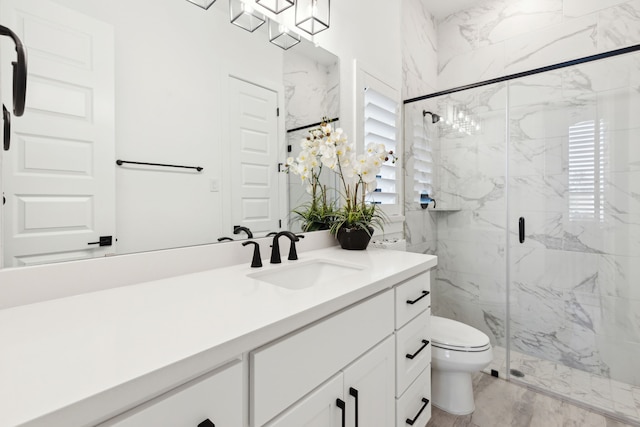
452 392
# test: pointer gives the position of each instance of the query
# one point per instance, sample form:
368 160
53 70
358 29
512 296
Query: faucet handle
256 261
293 254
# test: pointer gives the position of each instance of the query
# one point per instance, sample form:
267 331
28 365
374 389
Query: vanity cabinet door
319 409
215 397
286 370
369 388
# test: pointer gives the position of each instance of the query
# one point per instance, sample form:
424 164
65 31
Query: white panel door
254 143
59 177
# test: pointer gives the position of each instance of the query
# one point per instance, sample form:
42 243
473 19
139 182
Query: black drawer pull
342 405
354 392
207 423
521 234
425 343
424 294
412 421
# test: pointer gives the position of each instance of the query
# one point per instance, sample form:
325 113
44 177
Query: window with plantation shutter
586 171
380 127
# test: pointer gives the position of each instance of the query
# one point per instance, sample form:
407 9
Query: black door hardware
424 294
412 421
521 229
6 118
207 423
353 392
425 343
19 72
104 241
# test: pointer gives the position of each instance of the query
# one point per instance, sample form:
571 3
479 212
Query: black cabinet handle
424 294
425 343
353 392
412 421
521 229
340 403
207 423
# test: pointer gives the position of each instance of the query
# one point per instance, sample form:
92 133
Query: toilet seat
452 335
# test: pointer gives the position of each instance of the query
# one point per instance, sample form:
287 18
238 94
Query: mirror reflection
152 81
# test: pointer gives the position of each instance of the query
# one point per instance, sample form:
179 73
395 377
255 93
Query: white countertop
80 359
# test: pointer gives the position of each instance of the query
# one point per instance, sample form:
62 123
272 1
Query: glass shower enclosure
538 223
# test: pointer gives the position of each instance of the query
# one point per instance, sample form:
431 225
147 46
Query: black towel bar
121 162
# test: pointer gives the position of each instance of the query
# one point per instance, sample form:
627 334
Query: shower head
434 117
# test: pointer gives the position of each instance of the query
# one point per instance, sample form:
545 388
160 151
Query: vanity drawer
217 397
415 403
284 371
413 350
412 297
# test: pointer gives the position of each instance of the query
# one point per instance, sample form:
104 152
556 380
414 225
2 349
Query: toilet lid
452 334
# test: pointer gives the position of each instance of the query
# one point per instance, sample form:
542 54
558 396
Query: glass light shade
205 4
243 15
312 16
275 6
281 36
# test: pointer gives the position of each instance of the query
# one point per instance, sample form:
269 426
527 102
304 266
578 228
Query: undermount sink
306 274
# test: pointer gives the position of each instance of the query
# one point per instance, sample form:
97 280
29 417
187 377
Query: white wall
367 33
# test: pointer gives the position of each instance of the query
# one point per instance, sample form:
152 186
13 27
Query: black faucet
256 261
275 247
237 229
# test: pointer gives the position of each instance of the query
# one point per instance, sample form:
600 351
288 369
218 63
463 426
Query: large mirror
150 81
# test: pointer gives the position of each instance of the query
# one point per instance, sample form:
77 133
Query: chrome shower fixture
434 117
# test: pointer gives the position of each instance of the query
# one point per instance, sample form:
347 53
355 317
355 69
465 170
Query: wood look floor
500 403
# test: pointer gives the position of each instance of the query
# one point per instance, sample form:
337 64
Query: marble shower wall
501 37
575 294
419 67
575 282
470 282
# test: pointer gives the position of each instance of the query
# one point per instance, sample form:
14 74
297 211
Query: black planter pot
355 239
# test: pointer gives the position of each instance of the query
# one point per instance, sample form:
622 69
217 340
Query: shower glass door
574 269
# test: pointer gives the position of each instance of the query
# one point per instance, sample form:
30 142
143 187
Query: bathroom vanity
337 338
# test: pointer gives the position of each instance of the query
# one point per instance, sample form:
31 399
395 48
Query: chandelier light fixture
312 16
276 6
244 16
205 4
281 36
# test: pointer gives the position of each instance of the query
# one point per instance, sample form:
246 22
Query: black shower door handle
521 229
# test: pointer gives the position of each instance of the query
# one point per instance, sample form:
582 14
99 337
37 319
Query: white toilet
458 350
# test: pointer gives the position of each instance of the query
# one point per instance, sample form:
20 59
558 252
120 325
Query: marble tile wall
419 67
502 37
574 293
574 283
